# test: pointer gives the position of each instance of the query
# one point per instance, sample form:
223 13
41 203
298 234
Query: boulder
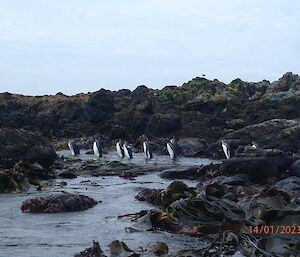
19 144
191 147
158 248
257 168
119 248
58 203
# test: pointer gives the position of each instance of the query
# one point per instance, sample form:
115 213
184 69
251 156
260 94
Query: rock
100 106
182 173
67 175
120 249
238 179
163 124
201 108
276 133
94 251
289 184
33 171
19 144
158 248
58 203
272 152
63 183
235 123
128 175
295 168
191 147
257 168
90 152
149 195
192 173
12 181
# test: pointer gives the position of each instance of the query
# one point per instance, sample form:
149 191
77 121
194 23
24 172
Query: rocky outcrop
277 133
58 203
208 110
204 111
19 144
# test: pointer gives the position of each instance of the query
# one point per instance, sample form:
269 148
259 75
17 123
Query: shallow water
139 159
59 235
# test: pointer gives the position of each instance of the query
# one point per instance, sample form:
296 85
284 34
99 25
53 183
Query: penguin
120 149
97 148
254 145
226 149
172 148
171 151
147 150
127 150
73 148
175 145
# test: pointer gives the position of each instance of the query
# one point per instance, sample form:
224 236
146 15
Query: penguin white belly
128 152
120 150
171 151
145 149
71 147
96 150
226 150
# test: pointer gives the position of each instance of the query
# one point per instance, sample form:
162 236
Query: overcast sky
73 46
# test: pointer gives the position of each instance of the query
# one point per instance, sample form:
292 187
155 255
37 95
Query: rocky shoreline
259 187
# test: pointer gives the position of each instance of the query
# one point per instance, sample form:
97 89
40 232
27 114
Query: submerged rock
128 175
58 203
